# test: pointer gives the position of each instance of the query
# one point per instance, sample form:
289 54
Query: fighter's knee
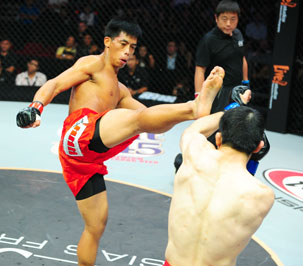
97 229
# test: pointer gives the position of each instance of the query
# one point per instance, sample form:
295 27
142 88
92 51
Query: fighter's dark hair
242 129
227 6
122 24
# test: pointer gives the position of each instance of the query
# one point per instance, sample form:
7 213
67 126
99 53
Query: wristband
252 166
231 106
197 94
38 105
245 82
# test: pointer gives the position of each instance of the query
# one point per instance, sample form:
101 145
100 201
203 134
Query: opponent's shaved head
242 128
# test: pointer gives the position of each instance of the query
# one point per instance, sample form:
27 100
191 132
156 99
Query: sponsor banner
283 57
288 181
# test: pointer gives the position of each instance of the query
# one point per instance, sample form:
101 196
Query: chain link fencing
36 29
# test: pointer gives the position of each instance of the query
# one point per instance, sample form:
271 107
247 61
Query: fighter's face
227 22
121 47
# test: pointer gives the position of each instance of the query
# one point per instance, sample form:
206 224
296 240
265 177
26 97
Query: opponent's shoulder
258 191
265 192
196 147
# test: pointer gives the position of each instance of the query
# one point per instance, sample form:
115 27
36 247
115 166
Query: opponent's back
217 206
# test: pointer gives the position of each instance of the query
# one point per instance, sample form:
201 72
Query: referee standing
222 46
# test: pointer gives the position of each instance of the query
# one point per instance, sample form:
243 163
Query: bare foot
210 89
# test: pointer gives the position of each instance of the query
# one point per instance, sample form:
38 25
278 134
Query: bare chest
97 94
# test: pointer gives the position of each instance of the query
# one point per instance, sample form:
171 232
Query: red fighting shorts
78 162
166 264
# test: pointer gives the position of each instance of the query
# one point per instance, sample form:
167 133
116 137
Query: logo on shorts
288 181
71 138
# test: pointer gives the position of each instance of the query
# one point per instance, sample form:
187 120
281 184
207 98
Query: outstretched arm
73 76
78 73
245 69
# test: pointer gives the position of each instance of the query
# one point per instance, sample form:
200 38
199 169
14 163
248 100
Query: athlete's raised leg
119 125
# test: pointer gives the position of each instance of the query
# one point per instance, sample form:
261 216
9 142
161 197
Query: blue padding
252 166
231 106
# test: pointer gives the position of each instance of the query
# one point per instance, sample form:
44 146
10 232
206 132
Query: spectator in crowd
5 77
88 47
256 32
28 12
69 51
186 54
145 58
7 56
134 77
82 30
223 46
88 16
56 5
31 77
171 67
183 91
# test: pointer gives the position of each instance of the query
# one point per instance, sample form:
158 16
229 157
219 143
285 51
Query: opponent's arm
127 101
245 71
78 73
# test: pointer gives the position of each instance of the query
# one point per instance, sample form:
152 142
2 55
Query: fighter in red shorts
103 119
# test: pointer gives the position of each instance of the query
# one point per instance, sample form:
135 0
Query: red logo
288 3
279 73
288 181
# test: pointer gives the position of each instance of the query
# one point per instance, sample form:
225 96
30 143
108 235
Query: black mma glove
235 94
178 161
253 163
260 155
29 114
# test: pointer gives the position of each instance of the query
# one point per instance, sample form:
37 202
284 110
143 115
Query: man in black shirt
7 56
6 78
134 77
223 46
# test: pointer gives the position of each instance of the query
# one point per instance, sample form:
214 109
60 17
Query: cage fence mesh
37 28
